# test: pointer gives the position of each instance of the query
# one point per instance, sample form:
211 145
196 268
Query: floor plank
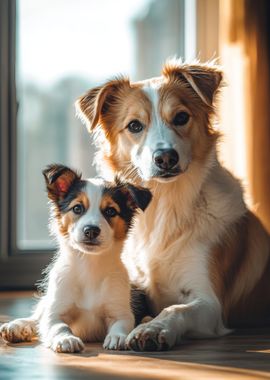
242 355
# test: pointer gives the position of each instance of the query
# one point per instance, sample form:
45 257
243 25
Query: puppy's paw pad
115 342
67 344
18 330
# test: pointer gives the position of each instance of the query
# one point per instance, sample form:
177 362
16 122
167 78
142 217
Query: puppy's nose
91 232
165 158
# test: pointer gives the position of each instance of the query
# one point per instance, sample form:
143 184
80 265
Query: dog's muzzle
90 234
166 161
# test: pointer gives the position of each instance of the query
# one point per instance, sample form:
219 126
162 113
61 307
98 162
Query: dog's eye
110 212
135 126
181 118
78 209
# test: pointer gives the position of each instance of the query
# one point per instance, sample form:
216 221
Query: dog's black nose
165 158
91 232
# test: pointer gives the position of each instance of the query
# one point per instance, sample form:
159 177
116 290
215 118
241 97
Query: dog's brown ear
59 179
94 105
203 78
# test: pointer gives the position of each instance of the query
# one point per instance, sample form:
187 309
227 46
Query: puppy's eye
110 212
181 118
135 126
78 209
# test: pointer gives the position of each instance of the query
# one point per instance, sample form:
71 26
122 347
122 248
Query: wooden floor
238 356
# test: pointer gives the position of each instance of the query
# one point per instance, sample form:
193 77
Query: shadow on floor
244 354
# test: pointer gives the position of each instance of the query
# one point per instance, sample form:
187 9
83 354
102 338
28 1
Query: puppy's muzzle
165 159
91 232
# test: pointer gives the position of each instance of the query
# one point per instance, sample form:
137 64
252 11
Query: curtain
245 46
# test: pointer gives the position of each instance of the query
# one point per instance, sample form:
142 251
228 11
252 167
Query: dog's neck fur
187 187
90 268
111 252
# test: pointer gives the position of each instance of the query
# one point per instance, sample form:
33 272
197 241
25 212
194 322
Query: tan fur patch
118 225
175 96
240 276
66 221
107 201
120 228
83 199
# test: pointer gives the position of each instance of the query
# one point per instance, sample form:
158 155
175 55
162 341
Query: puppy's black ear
95 104
59 179
140 196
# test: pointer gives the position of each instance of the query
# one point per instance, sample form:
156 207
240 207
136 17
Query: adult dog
199 254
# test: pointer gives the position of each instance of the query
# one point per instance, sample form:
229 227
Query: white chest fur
168 251
171 274
92 290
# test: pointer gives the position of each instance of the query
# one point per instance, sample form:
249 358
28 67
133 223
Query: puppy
87 296
199 254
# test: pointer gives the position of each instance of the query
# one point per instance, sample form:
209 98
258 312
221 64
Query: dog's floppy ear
203 78
139 196
59 179
94 105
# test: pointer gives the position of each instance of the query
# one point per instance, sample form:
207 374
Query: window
52 52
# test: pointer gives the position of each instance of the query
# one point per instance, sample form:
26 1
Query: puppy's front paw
67 343
151 336
115 342
19 330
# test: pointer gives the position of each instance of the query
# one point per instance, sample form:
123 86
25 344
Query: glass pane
63 49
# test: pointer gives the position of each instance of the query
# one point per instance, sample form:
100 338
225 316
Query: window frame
19 269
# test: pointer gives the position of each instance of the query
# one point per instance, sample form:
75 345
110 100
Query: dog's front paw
19 330
115 342
151 336
67 343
